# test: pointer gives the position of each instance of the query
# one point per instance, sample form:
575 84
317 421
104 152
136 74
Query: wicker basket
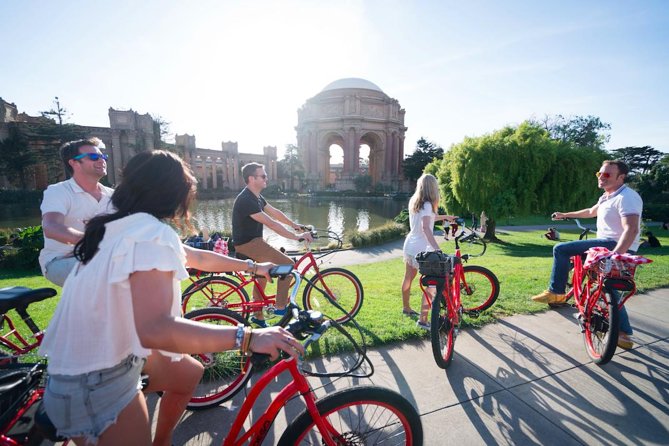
434 263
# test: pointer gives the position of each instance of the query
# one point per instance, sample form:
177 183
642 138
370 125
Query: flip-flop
409 313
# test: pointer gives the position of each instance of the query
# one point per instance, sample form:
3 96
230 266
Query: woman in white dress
422 215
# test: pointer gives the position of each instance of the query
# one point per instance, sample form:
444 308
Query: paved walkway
523 380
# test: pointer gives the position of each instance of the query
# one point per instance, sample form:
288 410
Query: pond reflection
340 215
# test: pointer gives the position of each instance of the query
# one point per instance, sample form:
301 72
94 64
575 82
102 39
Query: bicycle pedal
474 314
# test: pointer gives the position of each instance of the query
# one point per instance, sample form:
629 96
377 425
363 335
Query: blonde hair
427 190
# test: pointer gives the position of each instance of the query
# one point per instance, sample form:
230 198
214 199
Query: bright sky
239 70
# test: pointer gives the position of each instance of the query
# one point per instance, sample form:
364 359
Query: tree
582 131
15 155
517 171
425 153
59 112
639 159
362 183
163 138
291 165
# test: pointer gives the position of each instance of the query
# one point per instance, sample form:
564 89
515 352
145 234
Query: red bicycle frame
305 263
21 345
451 291
299 385
594 284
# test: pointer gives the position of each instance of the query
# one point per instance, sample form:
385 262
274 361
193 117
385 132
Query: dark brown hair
71 149
623 168
248 170
158 183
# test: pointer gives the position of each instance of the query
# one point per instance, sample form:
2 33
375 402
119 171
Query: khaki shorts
58 269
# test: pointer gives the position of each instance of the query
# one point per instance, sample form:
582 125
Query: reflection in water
337 215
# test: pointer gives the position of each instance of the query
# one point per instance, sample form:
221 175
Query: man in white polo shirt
68 205
618 213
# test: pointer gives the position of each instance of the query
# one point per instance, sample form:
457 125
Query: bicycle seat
21 297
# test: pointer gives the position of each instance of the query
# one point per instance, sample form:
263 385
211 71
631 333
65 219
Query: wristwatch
249 265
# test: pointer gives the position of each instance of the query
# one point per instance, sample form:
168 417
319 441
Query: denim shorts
85 405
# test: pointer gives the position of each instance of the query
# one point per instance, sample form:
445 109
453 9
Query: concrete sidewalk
523 380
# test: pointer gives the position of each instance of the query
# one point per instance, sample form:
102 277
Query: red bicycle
458 290
332 291
21 384
360 415
595 286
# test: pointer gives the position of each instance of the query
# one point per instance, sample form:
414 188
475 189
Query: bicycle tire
472 245
342 286
226 373
442 332
215 291
601 325
369 415
479 288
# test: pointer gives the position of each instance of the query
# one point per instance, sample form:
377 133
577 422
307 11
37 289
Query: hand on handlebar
263 270
273 340
305 237
558 216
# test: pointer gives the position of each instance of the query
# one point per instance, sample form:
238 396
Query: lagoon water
340 215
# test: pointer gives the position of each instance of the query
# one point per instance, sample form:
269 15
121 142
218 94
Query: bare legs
409 275
177 380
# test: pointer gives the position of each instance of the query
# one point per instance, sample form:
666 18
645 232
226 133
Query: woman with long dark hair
120 314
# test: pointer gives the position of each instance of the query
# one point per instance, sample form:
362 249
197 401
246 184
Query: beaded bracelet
246 342
239 336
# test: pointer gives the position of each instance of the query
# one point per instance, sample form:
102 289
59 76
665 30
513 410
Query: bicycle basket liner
611 264
616 269
434 263
16 383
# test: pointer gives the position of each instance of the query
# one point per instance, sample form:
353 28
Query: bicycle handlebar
310 325
576 220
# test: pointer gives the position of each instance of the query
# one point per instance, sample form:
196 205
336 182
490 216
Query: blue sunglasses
92 156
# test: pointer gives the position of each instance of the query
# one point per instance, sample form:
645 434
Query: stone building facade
128 134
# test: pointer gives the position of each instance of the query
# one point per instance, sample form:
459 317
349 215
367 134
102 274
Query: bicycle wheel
361 415
225 373
472 245
479 289
338 285
442 332
215 291
601 325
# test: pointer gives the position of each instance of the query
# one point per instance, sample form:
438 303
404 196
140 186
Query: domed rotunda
351 112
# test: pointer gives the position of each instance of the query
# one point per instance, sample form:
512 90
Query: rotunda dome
351 82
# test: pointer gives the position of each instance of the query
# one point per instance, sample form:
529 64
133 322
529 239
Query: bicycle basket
616 269
434 263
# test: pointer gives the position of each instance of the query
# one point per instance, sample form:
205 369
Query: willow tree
517 171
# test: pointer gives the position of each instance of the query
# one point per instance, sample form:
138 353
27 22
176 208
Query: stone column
389 153
401 156
117 157
203 170
214 177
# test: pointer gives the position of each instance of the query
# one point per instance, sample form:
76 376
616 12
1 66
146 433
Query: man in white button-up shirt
68 205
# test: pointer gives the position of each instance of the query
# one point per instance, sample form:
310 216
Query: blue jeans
562 252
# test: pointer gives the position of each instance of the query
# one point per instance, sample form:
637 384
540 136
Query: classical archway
349 113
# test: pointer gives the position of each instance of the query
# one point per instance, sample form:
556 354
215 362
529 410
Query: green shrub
24 253
20 196
387 232
656 211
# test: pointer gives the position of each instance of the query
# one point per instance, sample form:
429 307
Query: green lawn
522 264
